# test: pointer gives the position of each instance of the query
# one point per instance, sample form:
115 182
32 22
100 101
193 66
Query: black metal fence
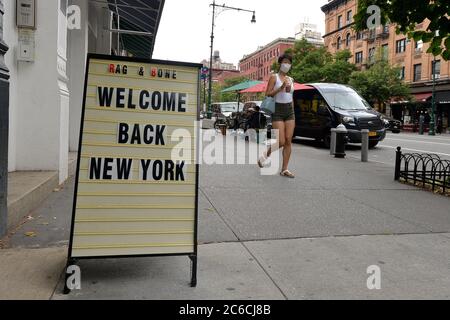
425 170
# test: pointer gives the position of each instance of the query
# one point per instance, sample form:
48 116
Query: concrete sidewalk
268 237
412 267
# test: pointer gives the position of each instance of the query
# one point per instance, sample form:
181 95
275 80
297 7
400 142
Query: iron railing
427 170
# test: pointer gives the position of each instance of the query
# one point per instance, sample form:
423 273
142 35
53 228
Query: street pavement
268 237
410 142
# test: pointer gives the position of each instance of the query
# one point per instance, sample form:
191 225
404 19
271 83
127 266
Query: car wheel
373 144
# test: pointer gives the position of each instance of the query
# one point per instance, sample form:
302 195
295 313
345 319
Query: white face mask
285 67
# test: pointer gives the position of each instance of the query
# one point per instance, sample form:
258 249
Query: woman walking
281 88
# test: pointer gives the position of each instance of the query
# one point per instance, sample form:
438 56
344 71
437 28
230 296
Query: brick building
416 65
221 70
258 65
221 75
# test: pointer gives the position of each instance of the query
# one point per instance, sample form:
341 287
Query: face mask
285 67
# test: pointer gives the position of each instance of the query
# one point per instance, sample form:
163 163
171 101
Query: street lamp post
214 5
432 131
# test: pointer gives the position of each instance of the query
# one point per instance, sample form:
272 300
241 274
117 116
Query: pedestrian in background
281 88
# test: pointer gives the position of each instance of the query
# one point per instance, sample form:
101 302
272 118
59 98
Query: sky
185 28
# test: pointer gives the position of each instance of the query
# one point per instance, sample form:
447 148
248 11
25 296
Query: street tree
407 14
339 69
315 64
380 83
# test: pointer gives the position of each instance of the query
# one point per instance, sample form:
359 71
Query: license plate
373 134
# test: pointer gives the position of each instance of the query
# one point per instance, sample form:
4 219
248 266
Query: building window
418 46
386 29
436 69
349 17
359 35
385 52
339 22
402 73
401 46
417 72
348 40
338 45
372 55
359 57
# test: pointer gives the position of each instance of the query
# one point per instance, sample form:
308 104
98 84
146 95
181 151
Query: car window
344 98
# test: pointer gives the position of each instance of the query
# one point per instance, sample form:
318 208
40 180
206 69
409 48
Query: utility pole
209 113
4 128
224 7
432 131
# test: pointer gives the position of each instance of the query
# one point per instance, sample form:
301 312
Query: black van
323 106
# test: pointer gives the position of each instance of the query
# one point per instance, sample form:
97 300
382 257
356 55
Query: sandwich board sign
136 190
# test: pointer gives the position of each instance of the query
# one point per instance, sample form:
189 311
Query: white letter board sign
136 191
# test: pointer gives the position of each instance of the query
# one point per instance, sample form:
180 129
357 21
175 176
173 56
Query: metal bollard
398 163
333 142
341 141
365 145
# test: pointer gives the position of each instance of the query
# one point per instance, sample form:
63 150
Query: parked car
226 108
326 105
393 125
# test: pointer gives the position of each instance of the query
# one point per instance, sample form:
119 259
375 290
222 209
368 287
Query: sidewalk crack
265 271
220 214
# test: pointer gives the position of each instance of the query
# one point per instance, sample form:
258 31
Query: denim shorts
283 112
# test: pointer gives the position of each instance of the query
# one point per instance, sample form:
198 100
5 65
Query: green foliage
316 64
230 96
379 83
216 94
219 96
339 69
407 14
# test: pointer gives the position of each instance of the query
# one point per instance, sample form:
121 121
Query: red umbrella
262 87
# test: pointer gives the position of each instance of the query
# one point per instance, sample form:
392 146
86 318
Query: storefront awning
443 97
418 97
422 97
139 21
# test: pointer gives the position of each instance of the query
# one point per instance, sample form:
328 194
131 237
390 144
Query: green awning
242 86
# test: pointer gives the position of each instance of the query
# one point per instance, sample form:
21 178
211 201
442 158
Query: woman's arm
270 92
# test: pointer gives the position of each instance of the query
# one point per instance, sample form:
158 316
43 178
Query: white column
77 50
43 96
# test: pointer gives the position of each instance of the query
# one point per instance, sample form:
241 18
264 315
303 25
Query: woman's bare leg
280 126
287 151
